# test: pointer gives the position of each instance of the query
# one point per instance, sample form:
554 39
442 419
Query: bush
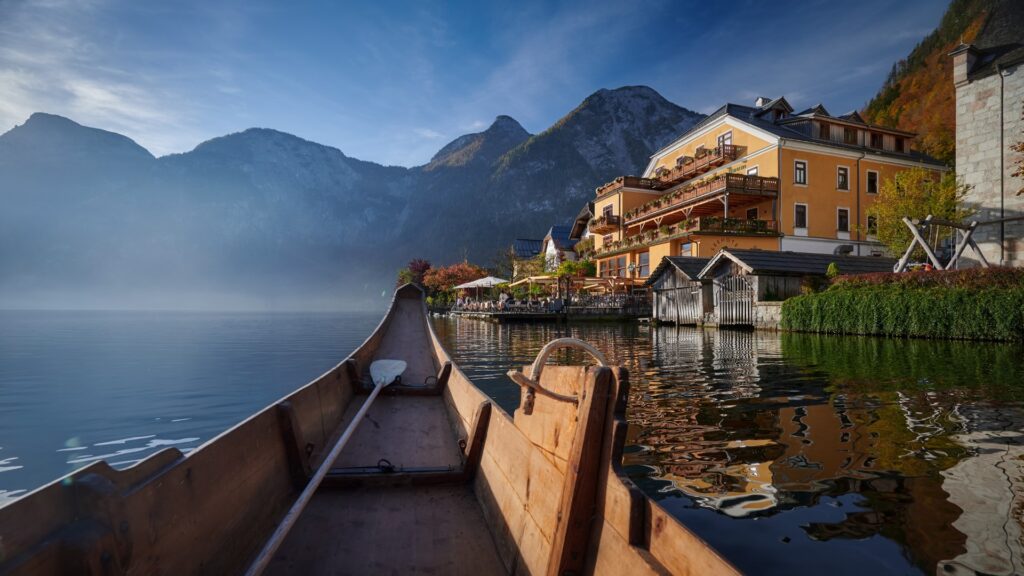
974 278
903 309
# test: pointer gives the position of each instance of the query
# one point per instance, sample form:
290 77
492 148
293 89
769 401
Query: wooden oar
383 373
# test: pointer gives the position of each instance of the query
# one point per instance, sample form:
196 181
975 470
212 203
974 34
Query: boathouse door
734 298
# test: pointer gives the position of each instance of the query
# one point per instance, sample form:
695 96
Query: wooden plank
475 443
296 447
397 530
576 511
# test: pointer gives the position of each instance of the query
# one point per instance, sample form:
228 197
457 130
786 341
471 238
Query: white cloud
50 61
427 133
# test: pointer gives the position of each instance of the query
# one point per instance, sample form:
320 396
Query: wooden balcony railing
689 166
741 226
605 224
732 183
701 225
631 182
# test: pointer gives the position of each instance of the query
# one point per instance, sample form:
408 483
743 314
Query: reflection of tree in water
925 437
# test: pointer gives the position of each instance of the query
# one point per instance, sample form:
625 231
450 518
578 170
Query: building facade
762 177
989 106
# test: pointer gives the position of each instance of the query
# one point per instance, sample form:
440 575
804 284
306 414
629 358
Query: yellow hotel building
756 176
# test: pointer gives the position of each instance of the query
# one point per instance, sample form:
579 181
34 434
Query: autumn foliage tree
916 193
445 278
413 272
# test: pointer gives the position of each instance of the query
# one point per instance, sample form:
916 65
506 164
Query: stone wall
988 122
767 315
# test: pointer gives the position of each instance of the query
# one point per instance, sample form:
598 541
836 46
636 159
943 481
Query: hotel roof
798 263
785 127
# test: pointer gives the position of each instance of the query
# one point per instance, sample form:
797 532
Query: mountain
262 218
543 179
919 95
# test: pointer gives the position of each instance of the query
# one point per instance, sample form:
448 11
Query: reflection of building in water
989 487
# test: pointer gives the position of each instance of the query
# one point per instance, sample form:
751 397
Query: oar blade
384 372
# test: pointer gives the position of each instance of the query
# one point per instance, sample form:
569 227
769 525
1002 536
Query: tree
916 193
414 272
444 279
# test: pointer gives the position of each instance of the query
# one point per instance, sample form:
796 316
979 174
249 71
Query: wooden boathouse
744 279
679 296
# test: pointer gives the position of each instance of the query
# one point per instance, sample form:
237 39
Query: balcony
605 224
700 191
631 182
714 225
688 166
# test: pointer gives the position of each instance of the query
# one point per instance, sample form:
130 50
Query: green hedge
894 310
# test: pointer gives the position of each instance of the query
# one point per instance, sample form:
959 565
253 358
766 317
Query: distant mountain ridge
262 218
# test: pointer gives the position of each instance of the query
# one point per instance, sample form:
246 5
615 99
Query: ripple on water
797 453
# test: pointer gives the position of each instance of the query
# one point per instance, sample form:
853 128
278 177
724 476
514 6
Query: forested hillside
918 95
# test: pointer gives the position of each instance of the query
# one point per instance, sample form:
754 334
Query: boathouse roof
690 266
769 262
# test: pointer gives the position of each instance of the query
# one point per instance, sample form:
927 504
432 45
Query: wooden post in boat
579 490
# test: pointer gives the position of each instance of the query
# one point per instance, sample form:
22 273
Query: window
725 139
849 135
620 266
843 178
752 171
800 172
872 225
752 214
824 132
843 220
876 140
606 211
800 216
686 249
644 267
872 182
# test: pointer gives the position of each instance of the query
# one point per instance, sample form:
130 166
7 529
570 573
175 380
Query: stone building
989 82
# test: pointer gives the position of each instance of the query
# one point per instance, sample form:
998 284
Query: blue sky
392 82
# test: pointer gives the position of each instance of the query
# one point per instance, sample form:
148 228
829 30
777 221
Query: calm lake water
786 452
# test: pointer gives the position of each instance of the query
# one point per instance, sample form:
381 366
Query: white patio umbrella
487 282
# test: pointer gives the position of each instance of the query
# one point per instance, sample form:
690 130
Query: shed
742 278
679 296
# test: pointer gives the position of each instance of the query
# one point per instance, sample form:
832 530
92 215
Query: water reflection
798 452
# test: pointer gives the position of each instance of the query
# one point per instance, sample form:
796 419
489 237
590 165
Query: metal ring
533 380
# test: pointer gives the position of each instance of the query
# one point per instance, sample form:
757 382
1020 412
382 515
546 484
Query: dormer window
823 131
849 135
780 114
876 140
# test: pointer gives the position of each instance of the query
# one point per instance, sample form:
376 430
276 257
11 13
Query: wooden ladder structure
919 229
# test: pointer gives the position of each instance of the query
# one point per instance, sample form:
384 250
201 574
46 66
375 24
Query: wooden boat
436 479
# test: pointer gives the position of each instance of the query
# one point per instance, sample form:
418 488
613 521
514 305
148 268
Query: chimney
964 57
761 101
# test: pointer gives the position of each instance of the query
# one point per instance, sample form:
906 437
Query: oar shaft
270 548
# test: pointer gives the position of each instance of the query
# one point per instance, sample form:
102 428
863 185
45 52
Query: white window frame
843 234
878 182
872 235
807 172
754 168
797 231
847 168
